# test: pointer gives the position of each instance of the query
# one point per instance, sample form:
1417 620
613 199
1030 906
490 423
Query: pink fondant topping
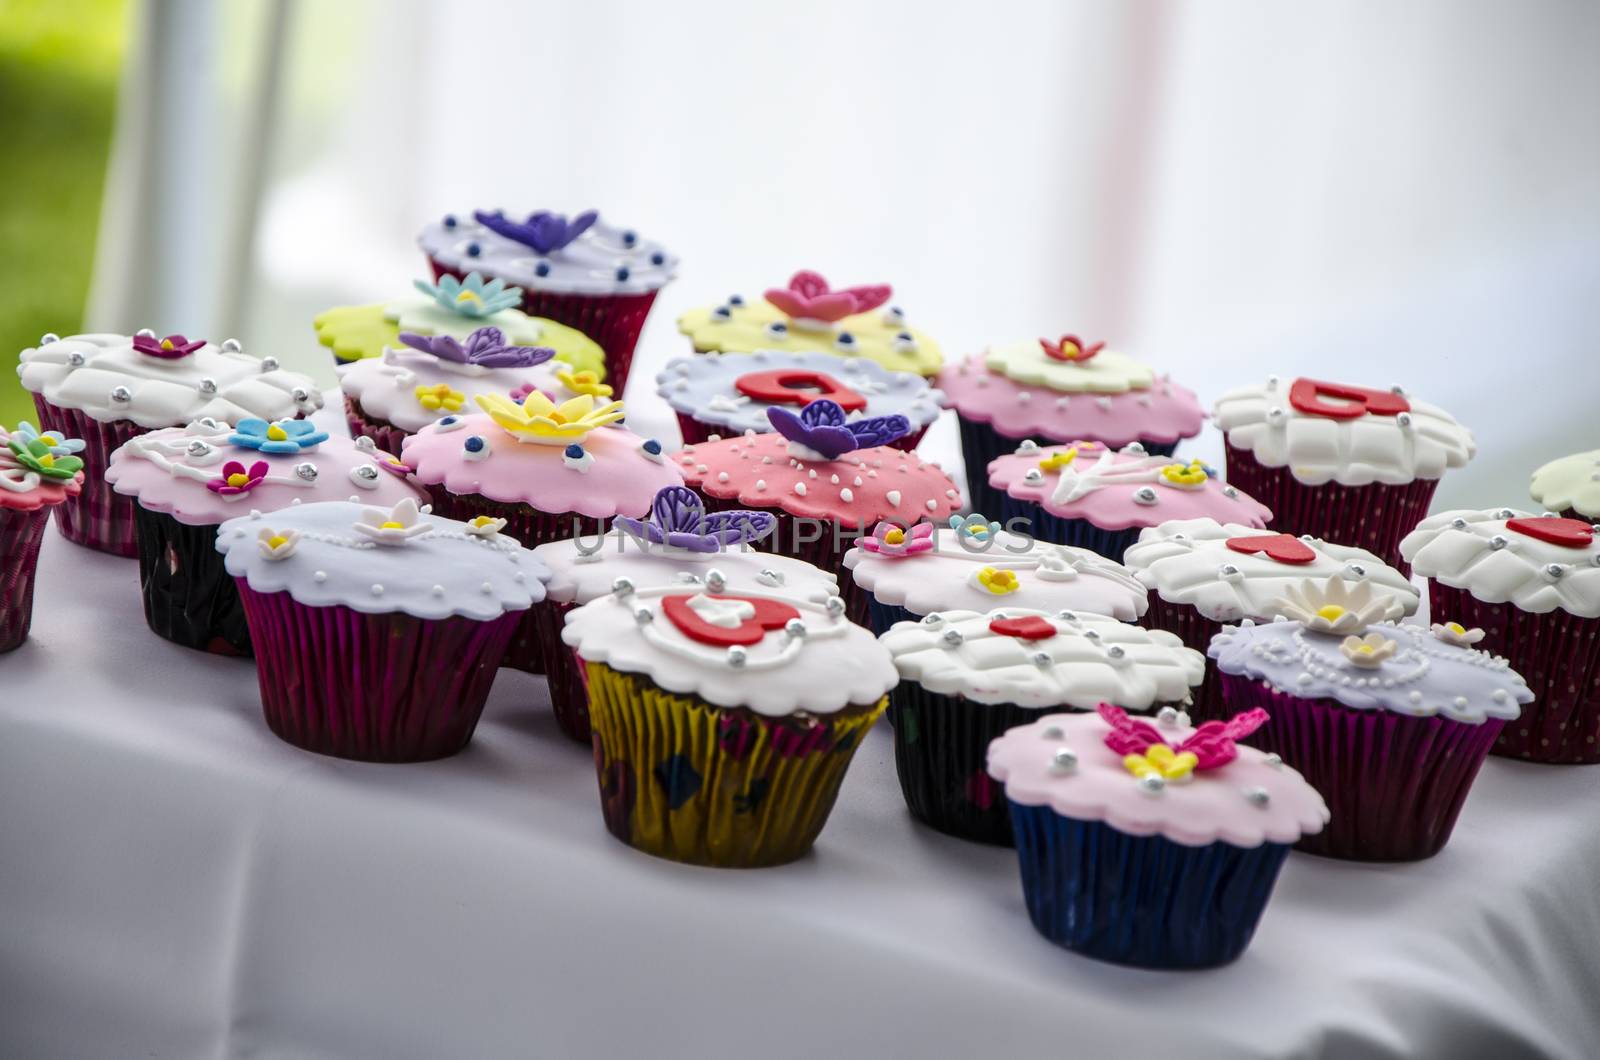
808 297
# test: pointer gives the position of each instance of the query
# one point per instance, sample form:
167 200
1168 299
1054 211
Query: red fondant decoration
1568 533
1028 627
1311 397
1285 548
797 386
1070 348
769 615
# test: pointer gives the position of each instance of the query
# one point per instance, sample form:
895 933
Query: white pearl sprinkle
319 576
377 590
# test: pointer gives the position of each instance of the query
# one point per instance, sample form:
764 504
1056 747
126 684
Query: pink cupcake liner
564 672
694 433
1374 517
385 436
530 527
1558 654
21 534
378 688
612 320
99 517
1393 783
1196 631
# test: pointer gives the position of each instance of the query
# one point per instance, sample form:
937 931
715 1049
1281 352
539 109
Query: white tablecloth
176 882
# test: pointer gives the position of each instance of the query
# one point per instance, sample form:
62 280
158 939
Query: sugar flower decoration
485 526
543 422
440 398
396 526
277 544
973 527
1070 348
486 347
819 431
1457 634
544 231
471 297
171 348
59 445
998 581
808 298
890 540
678 519
283 436
1147 753
1332 606
237 479
1059 459
584 382
47 455
1189 476
1367 652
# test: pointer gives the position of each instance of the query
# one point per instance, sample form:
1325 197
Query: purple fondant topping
822 426
544 231
485 347
678 518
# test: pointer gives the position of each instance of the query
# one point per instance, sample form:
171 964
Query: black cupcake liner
189 597
1079 533
981 444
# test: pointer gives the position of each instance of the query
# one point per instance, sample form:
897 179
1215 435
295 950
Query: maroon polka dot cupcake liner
21 535
99 517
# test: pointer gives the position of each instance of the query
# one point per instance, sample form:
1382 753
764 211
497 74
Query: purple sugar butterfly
678 519
544 231
485 348
822 427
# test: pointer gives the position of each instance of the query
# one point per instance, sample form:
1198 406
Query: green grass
59 65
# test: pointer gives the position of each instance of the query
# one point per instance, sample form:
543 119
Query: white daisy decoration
1457 634
395 527
277 544
1367 652
485 526
1333 606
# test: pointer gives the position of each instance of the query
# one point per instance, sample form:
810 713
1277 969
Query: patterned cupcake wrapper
1196 631
528 651
378 688
189 597
99 517
1140 900
1374 517
21 535
611 320
569 696
1394 784
1558 654
981 444
385 436
686 780
1033 520
696 433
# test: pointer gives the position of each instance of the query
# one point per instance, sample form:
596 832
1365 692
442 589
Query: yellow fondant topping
1179 475
998 581
538 419
1057 461
583 383
1161 761
439 397
238 480
276 433
894 536
745 329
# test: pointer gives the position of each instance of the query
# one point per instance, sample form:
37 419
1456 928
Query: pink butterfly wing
1128 737
869 296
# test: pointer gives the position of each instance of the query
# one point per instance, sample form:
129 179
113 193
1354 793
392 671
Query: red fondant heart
1285 548
1568 533
797 386
1027 627
769 615
1311 397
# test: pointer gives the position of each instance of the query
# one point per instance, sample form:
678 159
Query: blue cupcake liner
882 616
981 443
1080 533
1140 900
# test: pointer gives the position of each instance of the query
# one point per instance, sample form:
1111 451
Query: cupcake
1150 845
107 389
1342 463
1203 574
730 394
1390 723
974 566
186 481
825 477
377 631
1061 390
809 316
38 472
1570 486
1102 499
581 271
678 545
968 676
389 397
724 722
549 471
1532 584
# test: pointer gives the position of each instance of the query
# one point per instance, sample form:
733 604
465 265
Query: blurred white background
1374 192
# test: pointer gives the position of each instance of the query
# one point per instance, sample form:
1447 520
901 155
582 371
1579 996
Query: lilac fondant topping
678 519
485 347
822 426
544 231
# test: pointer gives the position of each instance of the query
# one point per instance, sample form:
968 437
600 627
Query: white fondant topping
385 388
588 265
584 568
1475 551
1573 482
1107 372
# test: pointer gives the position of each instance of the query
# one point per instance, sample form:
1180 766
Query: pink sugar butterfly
809 296
1212 743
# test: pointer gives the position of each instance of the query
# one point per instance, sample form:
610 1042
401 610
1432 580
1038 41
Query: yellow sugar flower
543 422
440 397
999 582
1180 475
1161 761
584 382
1058 460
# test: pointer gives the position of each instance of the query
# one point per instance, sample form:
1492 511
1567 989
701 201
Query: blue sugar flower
53 440
284 436
471 297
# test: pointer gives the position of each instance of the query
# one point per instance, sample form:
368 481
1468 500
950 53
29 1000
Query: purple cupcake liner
695 432
1394 784
385 436
189 597
21 535
569 695
1140 900
377 688
1196 631
981 444
99 517
1374 517
1558 654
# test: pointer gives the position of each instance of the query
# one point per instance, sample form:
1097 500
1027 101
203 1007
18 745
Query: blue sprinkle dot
474 444
542 269
473 250
658 258
622 273
447 421
847 339
575 452
778 325
630 238
897 311
737 299
904 336
652 447
723 311
449 220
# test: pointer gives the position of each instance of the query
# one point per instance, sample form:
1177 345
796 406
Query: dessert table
176 882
